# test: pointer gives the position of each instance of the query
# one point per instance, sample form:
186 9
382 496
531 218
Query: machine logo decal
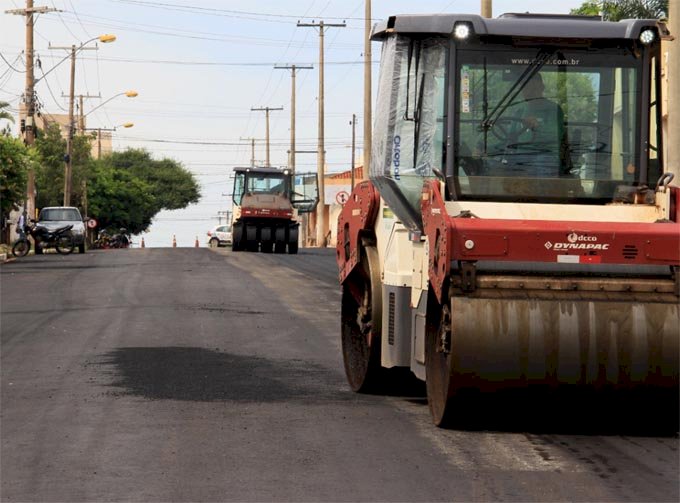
576 246
581 246
575 238
397 156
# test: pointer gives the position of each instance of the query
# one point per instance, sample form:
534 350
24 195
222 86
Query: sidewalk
5 253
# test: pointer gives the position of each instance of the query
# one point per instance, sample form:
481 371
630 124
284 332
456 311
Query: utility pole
321 159
68 164
81 112
487 10
354 128
68 161
29 93
294 69
223 214
266 110
368 116
252 150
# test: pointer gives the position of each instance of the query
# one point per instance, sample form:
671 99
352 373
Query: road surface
206 375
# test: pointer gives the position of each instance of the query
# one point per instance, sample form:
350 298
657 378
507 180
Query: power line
63 22
10 64
224 12
211 63
47 83
79 21
194 35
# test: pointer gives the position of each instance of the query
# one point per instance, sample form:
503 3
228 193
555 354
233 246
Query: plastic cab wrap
408 123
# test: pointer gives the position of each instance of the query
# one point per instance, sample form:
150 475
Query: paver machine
520 228
266 204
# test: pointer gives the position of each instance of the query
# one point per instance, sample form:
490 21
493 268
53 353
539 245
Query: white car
219 236
54 217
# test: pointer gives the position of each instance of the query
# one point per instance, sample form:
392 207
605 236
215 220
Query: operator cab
302 191
522 108
260 181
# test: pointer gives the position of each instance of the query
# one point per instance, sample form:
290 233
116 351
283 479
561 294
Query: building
102 143
338 187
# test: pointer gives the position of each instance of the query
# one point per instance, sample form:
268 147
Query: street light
105 39
69 140
129 94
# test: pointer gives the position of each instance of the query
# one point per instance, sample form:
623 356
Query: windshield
546 126
59 214
254 183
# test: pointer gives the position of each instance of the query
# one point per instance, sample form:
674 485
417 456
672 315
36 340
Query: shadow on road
199 374
641 412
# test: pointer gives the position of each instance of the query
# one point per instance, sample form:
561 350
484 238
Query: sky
199 67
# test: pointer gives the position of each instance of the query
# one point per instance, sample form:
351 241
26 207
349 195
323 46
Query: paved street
205 375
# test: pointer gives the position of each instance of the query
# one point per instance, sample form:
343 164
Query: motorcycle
120 240
106 240
60 239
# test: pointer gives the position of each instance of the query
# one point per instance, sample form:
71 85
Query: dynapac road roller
520 227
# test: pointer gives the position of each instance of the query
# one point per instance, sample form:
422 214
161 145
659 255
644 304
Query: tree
127 189
49 177
14 163
4 115
51 147
615 10
173 186
118 199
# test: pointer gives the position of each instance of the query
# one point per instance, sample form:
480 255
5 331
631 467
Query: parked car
219 236
54 217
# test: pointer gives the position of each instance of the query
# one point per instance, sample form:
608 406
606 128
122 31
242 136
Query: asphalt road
202 375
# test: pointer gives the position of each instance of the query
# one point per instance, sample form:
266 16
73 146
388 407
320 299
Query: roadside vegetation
616 10
15 160
123 189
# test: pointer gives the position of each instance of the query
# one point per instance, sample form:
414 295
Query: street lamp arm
115 128
129 94
104 39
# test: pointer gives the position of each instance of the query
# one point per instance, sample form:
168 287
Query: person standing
21 224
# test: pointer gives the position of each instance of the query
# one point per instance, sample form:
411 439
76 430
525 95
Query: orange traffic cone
143 245
174 241
196 243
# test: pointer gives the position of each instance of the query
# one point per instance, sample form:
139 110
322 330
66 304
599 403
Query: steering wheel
508 129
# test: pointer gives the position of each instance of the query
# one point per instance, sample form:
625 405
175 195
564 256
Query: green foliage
173 186
167 185
590 8
51 148
5 115
118 199
615 10
124 189
49 177
81 165
15 161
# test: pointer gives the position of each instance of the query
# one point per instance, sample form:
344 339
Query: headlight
462 31
647 36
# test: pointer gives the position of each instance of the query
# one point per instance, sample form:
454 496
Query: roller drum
504 342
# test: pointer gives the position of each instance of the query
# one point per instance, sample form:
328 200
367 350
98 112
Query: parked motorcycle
60 239
106 240
120 239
